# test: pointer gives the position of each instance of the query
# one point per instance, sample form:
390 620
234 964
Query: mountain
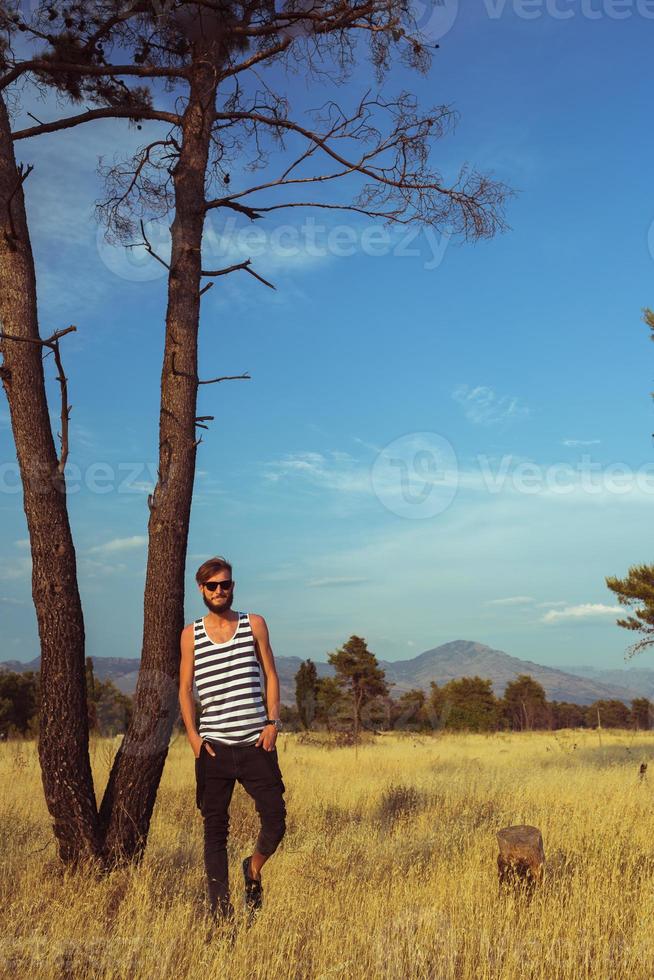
640 679
460 658
463 658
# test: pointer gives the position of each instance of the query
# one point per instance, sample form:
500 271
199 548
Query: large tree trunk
131 791
63 735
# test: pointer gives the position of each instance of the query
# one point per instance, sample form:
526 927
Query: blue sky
440 441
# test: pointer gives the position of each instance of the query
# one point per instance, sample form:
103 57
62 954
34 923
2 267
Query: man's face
218 599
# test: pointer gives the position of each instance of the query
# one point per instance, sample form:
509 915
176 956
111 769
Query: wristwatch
273 721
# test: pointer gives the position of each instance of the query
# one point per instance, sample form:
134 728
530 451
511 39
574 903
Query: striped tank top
229 685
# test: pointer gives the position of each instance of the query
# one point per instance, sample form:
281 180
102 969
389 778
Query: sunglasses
223 586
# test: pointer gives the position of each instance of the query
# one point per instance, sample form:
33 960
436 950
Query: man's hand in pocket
198 744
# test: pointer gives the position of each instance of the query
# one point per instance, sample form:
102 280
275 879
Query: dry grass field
387 869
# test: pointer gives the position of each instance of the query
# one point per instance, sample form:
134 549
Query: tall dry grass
387 869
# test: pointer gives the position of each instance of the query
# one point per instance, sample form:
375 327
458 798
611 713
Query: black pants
257 770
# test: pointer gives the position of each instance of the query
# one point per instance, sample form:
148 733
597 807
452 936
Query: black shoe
253 890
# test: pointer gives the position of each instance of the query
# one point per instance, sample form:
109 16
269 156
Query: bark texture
63 734
130 795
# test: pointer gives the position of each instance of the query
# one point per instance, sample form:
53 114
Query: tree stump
521 858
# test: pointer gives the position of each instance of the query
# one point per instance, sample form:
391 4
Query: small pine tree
358 671
306 690
329 701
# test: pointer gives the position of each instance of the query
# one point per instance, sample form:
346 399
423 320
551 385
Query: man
236 738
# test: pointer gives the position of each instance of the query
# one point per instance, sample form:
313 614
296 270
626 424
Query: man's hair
210 567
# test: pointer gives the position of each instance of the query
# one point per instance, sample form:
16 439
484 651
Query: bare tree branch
234 268
228 377
53 344
47 67
11 236
405 188
211 381
111 112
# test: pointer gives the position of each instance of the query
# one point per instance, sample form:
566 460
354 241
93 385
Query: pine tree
636 591
329 701
358 671
306 689
525 704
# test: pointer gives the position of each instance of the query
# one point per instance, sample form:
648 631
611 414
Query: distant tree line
109 710
358 695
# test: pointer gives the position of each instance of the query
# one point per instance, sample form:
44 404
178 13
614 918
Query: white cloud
271 248
512 600
332 471
119 544
581 442
509 477
484 407
587 610
10 601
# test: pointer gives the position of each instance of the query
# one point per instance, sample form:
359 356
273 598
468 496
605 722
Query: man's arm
186 700
267 661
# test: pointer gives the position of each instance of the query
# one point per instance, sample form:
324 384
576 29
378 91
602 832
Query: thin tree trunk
63 734
131 791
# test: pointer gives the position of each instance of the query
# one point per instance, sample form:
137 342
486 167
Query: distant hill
640 679
463 658
460 658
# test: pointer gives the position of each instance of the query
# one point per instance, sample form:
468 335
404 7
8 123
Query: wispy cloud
483 406
512 600
116 545
333 470
96 569
587 610
10 601
581 442
510 477
14 569
321 583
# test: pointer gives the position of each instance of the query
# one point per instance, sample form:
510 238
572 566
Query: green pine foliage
306 690
358 673
636 592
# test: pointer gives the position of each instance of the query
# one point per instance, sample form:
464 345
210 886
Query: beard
222 606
